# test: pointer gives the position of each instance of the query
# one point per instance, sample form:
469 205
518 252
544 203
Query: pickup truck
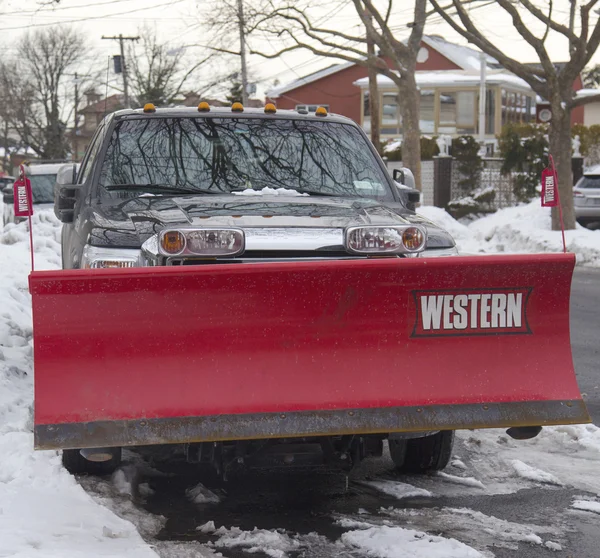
254 285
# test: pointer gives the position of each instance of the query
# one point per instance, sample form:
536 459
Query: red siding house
448 76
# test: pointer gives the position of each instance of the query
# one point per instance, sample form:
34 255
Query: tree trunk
411 135
374 109
560 149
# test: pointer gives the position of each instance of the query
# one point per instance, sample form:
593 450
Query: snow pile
269 192
43 511
276 544
586 505
398 489
522 229
397 542
199 494
533 474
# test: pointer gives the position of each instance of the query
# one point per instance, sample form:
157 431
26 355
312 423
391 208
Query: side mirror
398 175
66 192
8 196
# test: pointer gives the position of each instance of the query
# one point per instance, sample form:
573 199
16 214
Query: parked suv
43 178
587 197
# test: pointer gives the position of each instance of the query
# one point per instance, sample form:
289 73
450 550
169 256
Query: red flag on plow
23 203
159 355
551 195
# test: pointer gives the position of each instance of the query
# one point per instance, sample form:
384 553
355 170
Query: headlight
408 239
439 252
208 242
95 257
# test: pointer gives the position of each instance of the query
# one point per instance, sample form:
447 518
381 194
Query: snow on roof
44 168
275 92
586 92
463 56
447 78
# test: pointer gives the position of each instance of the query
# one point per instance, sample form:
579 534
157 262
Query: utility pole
482 97
121 40
75 142
373 93
243 52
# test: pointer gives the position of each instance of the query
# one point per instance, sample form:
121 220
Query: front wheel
421 455
76 464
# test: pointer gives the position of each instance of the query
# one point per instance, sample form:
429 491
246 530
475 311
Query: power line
146 8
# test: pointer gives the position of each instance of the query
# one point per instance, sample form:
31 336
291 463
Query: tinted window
225 154
589 182
42 187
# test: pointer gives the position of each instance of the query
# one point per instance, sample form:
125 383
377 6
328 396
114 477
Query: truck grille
265 256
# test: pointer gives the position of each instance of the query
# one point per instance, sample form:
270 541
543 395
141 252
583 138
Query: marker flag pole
23 200
551 195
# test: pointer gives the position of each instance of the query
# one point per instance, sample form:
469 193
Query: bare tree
36 88
550 81
159 73
292 23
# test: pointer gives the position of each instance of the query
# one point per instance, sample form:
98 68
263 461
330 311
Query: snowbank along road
498 497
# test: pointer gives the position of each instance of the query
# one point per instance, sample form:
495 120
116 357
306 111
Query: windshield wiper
159 189
299 190
318 193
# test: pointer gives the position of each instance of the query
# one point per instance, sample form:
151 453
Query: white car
43 178
587 196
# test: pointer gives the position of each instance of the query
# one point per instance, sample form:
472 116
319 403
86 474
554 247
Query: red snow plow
162 355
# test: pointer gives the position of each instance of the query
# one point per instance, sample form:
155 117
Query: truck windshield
230 154
42 187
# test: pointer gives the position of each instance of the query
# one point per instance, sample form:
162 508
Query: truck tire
76 464
421 455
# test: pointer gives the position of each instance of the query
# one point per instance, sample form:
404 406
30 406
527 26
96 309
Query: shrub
524 148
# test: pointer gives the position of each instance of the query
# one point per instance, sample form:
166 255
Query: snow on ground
522 229
199 494
398 489
474 527
275 544
532 473
43 510
586 505
396 542
560 455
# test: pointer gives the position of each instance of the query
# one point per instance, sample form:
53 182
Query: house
448 76
94 111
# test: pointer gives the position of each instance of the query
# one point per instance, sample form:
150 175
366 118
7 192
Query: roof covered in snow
446 78
465 57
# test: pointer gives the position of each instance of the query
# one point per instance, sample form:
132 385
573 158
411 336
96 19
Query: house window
457 112
426 112
517 108
311 108
366 124
391 120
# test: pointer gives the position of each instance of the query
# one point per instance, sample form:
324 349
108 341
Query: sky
177 23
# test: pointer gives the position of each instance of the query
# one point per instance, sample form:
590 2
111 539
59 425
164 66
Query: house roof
275 92
110 104
463 56
454 77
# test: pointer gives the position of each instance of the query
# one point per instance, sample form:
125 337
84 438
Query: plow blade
226 352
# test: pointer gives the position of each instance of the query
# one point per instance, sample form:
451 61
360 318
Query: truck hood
130 222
